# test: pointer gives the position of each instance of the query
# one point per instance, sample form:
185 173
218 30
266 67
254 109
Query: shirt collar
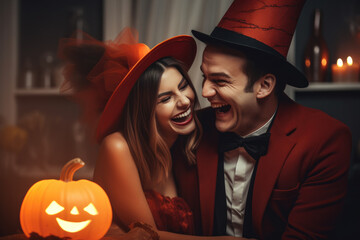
262 129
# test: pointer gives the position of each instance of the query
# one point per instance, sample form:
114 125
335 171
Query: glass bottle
76 24
47 70
28 75
316 59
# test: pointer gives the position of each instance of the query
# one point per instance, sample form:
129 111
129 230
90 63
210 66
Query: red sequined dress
170 214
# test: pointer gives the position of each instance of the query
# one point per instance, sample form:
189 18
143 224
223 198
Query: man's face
224 86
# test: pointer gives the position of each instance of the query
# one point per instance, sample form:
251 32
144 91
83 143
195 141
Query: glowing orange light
349 60
54 208
339 62
74 211
72 227
307 63
91 209
65 208
323 62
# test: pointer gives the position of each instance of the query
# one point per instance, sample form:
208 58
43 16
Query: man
267 167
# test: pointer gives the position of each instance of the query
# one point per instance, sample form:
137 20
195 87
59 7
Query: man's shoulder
309 119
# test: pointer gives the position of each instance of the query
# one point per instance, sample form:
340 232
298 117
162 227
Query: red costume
300 183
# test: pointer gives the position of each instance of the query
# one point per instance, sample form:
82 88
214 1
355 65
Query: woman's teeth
183 115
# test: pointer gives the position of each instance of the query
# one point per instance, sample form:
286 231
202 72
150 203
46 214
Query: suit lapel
268 170
269 166
207 160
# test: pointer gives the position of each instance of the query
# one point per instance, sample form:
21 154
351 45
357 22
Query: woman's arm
117 173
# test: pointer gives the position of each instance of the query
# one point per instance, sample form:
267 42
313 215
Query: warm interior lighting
72 226
91 209
349 60
339 62
307 62
74 211
323 62
54 208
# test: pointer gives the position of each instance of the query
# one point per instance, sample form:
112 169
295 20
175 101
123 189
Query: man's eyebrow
217 74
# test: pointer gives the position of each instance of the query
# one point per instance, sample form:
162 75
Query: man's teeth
221 107
185 114
218 105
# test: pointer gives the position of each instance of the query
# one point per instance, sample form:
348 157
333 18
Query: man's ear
265 85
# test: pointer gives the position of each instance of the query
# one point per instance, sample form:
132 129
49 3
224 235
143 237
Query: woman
148 103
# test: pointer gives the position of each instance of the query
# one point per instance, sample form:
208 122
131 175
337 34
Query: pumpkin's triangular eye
91 209
54 208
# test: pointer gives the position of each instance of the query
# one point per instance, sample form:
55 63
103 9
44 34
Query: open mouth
221 108
183 118
72 226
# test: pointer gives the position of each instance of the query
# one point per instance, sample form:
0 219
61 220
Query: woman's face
175 105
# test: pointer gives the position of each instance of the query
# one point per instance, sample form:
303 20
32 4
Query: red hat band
271 22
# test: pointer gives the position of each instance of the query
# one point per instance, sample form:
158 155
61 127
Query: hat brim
282 68
182 47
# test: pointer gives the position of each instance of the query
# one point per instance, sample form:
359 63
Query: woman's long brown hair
138 125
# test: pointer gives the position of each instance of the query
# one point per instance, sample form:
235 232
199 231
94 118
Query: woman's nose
183 100
207 89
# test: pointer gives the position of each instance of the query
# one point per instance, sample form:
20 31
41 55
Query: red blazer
300 184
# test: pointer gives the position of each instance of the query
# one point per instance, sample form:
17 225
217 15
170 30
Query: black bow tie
255 146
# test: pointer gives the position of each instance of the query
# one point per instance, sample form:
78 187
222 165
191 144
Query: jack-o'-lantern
65 208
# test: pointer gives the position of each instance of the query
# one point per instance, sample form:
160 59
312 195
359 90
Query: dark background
43 22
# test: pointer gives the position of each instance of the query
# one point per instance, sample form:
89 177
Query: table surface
114 233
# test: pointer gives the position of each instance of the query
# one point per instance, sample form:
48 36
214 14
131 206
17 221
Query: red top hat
264 27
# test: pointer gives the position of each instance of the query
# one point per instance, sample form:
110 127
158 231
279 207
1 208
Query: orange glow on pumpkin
65 208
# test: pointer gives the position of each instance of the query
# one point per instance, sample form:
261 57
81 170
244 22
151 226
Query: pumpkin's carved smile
72 226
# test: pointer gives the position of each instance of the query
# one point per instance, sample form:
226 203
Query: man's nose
207 89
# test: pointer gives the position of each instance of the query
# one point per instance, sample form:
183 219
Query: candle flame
339 62
323 62
349 60
307 62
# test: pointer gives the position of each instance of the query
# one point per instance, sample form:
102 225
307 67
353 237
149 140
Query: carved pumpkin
66 208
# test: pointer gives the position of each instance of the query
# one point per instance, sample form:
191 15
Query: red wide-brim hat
182 48
264 28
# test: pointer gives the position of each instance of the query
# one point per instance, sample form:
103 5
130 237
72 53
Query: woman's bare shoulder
115 146
114 142
114 157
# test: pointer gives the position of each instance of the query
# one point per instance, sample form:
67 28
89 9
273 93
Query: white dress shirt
237 174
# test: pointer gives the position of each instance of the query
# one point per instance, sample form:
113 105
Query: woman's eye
164 99
184 85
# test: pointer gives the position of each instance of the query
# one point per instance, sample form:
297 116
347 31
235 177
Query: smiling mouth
183 118
72 226
221 108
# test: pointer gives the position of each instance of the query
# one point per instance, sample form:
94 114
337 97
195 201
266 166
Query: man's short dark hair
256 67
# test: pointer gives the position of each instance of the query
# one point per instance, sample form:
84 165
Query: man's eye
203 79
219 81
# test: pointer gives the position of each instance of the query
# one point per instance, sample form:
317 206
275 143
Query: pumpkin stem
70 168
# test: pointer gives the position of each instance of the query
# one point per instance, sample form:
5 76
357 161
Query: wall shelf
324 87
350 86
38 92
